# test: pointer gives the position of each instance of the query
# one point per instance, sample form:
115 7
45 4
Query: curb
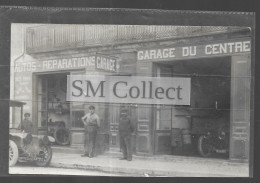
146 171
127 172
117 154
142 172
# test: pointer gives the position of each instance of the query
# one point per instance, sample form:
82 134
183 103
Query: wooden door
163 119
113 117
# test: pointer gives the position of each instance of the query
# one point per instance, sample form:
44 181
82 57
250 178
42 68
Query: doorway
51 108
177 128
114 115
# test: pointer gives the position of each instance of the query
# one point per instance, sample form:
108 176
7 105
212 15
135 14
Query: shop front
176 89
220 96
43 80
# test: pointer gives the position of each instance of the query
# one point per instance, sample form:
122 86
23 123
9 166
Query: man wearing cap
26 125
125 132
92 123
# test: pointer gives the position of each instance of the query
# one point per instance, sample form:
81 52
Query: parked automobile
28 147
214 142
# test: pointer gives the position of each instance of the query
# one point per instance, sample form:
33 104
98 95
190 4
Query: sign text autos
99 62
194 51
129 89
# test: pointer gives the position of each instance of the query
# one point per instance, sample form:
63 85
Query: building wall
126 55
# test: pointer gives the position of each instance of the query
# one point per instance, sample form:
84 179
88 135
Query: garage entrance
178 128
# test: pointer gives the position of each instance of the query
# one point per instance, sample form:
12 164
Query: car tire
62 136
204 148
45 151
13 153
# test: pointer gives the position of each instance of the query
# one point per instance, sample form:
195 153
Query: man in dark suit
125 132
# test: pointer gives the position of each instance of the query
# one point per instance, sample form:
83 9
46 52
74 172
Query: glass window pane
76 119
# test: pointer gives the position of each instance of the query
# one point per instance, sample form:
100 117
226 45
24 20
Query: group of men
92 124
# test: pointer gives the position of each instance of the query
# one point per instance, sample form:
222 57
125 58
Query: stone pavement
172 166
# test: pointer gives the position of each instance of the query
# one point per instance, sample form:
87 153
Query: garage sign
214 49
99 62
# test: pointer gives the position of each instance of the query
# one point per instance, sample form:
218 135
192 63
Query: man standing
26 125
92 123
125 132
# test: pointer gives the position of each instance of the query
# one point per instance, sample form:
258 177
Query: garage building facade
217 60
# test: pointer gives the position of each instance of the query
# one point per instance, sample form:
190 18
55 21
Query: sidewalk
172 166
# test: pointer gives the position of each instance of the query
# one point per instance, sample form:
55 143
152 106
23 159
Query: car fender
51 139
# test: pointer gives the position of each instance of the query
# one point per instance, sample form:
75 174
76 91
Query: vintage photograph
130 100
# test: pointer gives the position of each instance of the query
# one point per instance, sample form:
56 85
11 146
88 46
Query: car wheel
62 136
204 146
45 156
13 153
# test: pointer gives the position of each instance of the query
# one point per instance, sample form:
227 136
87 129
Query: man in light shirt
92 123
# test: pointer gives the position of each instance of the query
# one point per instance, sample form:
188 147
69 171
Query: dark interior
210 95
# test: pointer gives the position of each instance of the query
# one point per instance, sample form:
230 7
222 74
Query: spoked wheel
13 153
62 136
204 146
45 156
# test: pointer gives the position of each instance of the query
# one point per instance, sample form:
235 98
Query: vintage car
214 141
28 147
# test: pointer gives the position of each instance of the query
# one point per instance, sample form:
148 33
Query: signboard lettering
69 63
194 51
106 64
99 62
25 67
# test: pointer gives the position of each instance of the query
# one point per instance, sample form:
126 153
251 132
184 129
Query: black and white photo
130 100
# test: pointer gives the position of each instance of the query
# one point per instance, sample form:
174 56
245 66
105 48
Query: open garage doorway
178 129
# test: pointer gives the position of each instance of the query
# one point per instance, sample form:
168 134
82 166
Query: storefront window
77 112
76 119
